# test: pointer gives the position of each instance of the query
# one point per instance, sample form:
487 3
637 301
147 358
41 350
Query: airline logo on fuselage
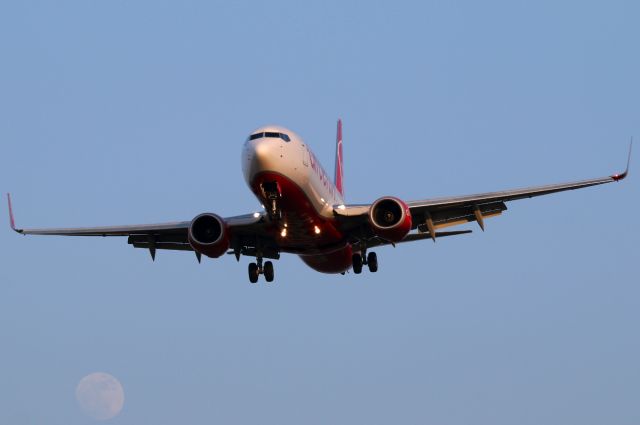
322 175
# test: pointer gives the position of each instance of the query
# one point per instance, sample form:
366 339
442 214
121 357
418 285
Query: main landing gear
257 268
370 260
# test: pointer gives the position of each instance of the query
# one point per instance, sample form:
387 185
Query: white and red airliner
305 214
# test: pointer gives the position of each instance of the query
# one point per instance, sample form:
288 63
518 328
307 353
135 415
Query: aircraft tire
268 271
372 262
253 273
356 260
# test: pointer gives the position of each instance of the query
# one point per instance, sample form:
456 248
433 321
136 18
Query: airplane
304 213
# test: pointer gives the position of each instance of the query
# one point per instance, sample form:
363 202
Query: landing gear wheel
356 260
254 273
372 262
268 271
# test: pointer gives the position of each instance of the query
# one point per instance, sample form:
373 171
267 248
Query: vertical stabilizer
338 179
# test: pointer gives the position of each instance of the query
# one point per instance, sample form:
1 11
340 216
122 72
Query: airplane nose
262 150
256 158
265 153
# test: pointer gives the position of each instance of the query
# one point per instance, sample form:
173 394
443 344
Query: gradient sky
115 112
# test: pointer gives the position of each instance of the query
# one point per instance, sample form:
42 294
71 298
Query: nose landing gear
271 192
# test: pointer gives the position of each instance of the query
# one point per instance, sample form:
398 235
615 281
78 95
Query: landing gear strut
271 191
257 268
274 210
370 260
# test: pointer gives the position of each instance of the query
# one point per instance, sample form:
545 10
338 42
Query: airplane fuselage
289 174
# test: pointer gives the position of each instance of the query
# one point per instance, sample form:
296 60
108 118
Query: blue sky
120 112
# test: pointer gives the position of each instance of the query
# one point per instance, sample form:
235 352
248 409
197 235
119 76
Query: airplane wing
428 215
376 241
171 235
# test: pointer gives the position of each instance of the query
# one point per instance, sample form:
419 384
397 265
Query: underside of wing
497 198
413 237
443 212
177 228
429 215
247 231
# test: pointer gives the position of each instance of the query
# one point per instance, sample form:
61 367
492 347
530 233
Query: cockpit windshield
271 134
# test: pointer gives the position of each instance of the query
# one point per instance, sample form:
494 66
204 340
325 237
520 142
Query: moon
100 395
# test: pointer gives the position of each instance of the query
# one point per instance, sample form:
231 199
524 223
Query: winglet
12 221
618 177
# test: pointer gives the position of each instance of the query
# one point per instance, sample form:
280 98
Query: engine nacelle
390 218
208 235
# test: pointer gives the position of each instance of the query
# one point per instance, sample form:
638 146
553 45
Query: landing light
316 229
283 233
341 207
256 214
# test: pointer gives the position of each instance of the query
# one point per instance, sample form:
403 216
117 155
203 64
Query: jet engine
208 235
390 218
